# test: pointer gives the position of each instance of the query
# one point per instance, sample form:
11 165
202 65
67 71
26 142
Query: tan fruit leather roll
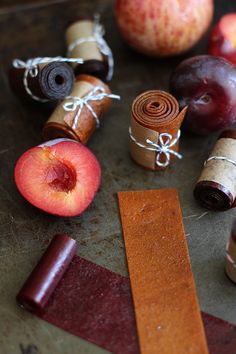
60 123
230 264
86 50
153 112
95 63
216 187
166 306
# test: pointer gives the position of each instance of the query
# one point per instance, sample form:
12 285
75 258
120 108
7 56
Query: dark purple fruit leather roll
54 81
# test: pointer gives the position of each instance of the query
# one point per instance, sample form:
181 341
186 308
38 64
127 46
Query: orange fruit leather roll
156 116
61 124
166 306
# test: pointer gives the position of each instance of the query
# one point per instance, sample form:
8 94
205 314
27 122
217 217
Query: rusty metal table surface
35 29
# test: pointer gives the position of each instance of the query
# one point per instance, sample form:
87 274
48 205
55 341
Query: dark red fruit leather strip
95 304
221 335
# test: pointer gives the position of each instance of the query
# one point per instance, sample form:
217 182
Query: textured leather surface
165 300
94 303
221 335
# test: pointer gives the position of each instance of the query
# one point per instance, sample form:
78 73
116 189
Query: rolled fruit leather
41 283
95 63
54 81
156 117
230 265
61 124
216 186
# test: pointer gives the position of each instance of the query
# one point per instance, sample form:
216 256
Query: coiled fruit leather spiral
53 82
154 112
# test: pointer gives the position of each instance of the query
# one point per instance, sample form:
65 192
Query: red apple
222 40
207 85
60 177
163 27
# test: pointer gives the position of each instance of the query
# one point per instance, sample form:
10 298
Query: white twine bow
31 68
76 102
163 147
97 37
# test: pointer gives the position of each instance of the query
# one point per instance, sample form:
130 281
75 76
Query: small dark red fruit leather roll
54 81
216 187
45 277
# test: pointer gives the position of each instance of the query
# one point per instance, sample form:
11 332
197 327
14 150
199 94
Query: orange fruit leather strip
166 306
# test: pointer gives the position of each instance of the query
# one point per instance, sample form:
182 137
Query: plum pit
61 177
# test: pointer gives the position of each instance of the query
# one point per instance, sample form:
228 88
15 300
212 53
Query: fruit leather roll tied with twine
154 130
79 114
216 187
41 82
85 40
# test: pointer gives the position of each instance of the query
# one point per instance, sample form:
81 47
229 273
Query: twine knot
163 147
166 141
76 102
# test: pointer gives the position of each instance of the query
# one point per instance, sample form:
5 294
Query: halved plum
60 177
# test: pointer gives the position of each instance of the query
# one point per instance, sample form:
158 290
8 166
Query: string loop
31 68
162 147
78 103
222 158
98 33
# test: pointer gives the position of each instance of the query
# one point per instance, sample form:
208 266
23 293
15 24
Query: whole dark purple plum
207 85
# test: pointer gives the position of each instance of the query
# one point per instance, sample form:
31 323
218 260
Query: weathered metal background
35 28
